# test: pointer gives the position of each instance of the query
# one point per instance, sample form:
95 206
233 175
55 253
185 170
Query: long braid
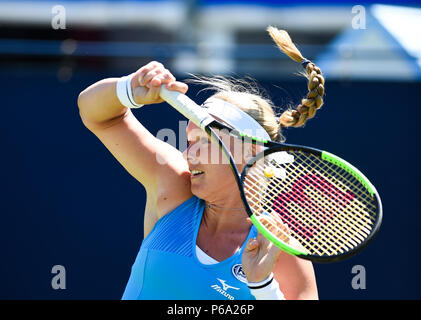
314 99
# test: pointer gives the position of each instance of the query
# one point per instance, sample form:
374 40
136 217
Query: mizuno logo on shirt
224 288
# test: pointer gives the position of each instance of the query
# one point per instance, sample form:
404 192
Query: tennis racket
309 203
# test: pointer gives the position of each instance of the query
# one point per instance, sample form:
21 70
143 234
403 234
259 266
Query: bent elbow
81 100
82 105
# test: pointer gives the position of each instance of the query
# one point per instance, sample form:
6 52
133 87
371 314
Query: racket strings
329 170
315 182
327 205
296 234
270 199
324 207
357 204
360 205
328 238
300 231
344 177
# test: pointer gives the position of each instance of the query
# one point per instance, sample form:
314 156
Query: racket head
330 210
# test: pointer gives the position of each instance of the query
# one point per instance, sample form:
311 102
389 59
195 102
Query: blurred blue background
66 201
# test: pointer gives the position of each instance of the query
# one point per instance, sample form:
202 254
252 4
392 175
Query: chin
199 191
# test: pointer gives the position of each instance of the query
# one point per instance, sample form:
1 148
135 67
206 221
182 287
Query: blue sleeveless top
167 268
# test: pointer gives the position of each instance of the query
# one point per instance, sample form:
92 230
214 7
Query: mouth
196 173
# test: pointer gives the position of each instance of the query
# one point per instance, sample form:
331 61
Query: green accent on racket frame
274 239
350 169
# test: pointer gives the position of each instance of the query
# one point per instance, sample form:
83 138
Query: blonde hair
247 96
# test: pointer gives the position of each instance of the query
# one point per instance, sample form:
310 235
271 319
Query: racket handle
186 107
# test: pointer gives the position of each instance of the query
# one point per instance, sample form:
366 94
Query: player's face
211 176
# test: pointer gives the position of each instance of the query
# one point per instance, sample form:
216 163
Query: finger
264 243
276 227
268 247
177 86
273 223
161 78
153 93
252 244
149 76
148 68
169 75
158 80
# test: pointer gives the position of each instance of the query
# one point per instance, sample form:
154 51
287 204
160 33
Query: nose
191 154
191 127
185 153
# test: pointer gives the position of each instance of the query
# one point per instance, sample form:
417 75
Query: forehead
191 127
195 133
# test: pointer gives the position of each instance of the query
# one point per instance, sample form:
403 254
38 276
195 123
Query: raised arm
129 141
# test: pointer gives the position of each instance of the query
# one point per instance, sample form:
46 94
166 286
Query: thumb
252 244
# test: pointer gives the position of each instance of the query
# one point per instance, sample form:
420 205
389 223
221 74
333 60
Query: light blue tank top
167 268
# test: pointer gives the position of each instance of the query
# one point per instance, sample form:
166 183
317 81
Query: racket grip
186 107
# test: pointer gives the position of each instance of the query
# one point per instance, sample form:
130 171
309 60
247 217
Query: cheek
210 154
223 177
218 175
241 152
196 153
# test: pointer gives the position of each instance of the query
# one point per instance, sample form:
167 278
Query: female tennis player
198 240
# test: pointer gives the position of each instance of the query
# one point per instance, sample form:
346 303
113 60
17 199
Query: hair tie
305 62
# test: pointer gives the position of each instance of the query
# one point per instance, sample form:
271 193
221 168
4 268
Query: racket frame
332 159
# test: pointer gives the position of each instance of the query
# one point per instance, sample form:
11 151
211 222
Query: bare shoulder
171 190
173 182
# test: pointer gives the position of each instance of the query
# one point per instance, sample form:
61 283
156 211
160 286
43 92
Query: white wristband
124 92
267 289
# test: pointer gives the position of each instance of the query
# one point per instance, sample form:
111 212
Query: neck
217 207
227 215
